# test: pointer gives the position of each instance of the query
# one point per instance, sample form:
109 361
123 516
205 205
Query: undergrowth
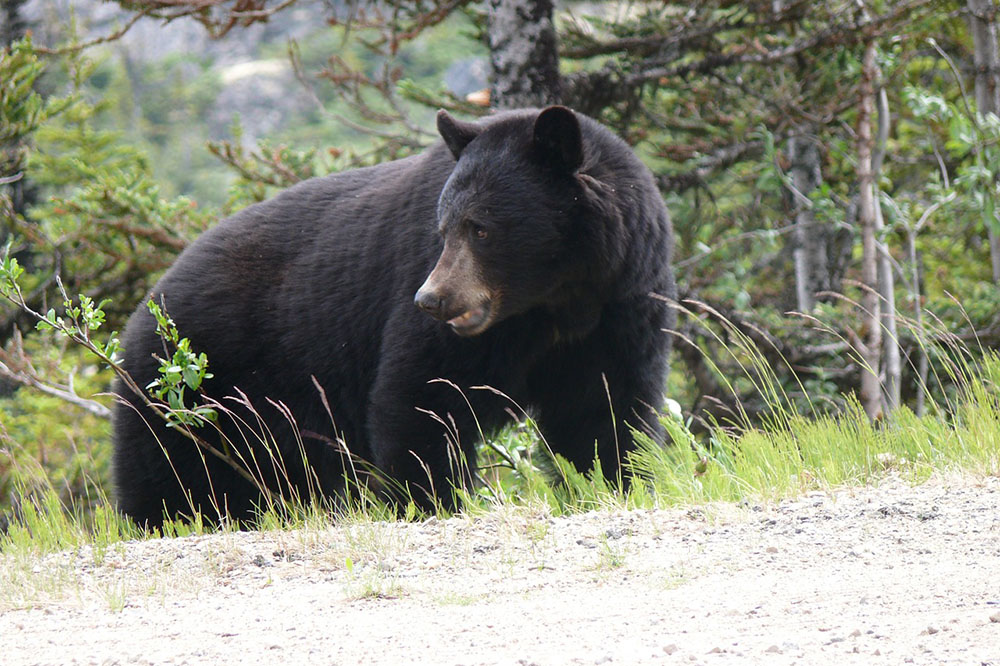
791 450
793 454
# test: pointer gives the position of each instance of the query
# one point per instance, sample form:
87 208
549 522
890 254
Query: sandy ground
888 575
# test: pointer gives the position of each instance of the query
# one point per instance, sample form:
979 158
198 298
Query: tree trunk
12 24
524 57
918 317
982 24
886 279
869 342
812 272
810 241
22 193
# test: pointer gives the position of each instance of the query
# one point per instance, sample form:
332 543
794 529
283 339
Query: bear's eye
480 232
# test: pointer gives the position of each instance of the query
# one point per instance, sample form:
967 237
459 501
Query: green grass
790 454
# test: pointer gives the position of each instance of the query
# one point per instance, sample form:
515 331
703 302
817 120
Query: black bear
365 311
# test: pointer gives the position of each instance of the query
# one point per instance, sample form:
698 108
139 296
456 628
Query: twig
158 236
68 395
73 48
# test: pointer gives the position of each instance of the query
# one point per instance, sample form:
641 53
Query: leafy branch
183 370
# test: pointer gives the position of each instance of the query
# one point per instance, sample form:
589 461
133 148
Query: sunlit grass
791 453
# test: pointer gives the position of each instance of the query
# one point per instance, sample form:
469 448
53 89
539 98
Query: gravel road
891 574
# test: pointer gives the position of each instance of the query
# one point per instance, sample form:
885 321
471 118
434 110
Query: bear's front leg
422 438
589 394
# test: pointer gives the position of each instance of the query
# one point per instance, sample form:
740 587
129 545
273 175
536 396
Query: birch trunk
524 57
812 273
869 341
886 279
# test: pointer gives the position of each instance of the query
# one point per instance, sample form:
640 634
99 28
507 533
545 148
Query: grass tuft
784 454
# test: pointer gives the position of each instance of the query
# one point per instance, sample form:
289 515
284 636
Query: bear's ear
558 142
456 134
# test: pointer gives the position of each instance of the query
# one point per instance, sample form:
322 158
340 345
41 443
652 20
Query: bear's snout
429 301
470 311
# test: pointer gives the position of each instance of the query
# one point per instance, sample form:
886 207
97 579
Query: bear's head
508 215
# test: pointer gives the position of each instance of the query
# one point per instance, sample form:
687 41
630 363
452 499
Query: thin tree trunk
886 279
982 24
809 255
869 343
12 24
524 57
22 192
918 316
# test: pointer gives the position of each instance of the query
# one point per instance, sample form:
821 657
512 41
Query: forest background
831 170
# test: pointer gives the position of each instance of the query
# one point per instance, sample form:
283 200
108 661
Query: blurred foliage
44 443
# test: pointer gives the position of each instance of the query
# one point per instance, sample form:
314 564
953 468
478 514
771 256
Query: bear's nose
429 301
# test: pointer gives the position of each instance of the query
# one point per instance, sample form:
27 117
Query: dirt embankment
887 575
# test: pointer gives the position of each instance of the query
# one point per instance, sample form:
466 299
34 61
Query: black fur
320 281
